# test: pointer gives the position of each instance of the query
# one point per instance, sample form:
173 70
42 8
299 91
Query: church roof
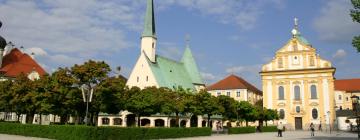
16 62
190 65
171 74
348 85
233 82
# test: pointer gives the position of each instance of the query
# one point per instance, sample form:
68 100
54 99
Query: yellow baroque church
299 85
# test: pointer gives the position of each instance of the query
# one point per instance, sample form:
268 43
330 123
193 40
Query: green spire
149 25
190 66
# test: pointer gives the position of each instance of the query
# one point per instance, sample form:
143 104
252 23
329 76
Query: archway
145 122
183 123
117 121
105 121
194 121
173 123
159 123
203 123
130 120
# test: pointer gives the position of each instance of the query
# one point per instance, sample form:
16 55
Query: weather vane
187 39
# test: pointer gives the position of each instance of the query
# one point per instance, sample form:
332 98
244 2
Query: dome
2 42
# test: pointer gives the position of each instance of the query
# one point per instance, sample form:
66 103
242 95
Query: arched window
340 98
105 121
313 92
281 114
281 93
297 92
315 113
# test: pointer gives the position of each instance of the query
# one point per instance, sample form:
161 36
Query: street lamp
328 114
87 93
355 104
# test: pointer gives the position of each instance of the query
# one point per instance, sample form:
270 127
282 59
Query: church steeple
190 64
148 37
149 25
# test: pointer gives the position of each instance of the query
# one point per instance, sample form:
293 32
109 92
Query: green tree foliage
355 14
143 102
207 104
246 111
6 96
229 105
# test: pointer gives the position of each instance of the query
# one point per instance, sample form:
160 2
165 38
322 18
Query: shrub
269 129
70 132
241 130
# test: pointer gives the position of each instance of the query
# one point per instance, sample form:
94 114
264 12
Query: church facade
299 85
152 69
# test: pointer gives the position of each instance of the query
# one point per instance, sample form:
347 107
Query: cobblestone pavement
288 135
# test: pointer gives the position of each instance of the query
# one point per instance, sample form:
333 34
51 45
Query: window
137 79
147 78
312 61
314 113
281 114
105 121
238 94
297 92
228 93
153 45
218 93
340 97
313 92
280 63
347 98
297 109
281 93
117 121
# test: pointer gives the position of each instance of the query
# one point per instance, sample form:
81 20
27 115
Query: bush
269 129
69 132
241 130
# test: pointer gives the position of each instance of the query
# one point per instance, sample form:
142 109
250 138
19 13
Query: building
299 84
344 89
237 88
152 69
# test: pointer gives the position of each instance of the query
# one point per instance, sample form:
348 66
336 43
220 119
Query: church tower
148 37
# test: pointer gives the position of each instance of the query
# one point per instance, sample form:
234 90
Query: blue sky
227 36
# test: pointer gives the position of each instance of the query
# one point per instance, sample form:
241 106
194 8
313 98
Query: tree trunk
29 118
40 119
18 117
247 123
138 115
208 119
266 123
177 119
63 119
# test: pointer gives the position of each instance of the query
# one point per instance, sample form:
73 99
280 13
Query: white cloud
334 23
340 53
37 51
250 73
170 50
208 76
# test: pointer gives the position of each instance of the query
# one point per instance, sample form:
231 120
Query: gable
233 82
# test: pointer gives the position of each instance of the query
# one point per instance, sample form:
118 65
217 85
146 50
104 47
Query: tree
43 92
246 111
229 105
90 74
207 104
6 96
143 102
355 14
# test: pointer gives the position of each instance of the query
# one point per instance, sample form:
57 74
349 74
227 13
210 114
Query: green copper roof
190 65
149 25
302 39
173 74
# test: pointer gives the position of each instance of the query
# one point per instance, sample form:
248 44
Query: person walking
312 129
320 129
280 127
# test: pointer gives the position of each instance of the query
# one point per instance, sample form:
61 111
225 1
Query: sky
226 36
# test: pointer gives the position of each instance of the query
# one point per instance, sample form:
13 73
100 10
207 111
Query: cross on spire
187 40
296 22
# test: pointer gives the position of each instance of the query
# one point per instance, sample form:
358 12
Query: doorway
298 123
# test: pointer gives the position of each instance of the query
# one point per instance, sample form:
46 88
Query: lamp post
328 114
87 93
355 104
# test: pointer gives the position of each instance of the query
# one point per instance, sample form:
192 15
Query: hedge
70 132
269 129
241 130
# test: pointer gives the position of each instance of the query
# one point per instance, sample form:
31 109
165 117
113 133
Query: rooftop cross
187 39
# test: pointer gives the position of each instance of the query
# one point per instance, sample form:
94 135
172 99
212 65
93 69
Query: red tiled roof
349 85
17 62
233 82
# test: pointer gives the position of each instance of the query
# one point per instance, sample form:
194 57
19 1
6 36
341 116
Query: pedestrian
217 127
312 129
351 126
280 127
320 129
